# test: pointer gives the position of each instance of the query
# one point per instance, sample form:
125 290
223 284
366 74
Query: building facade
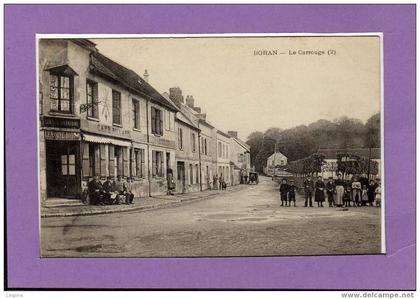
329 169
277 159
98 118
240 160
223 156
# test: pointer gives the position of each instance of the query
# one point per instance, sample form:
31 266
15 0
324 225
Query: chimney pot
233 134
146 76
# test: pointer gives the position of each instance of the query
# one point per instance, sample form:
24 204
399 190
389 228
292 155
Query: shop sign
57 122
62 135
102 129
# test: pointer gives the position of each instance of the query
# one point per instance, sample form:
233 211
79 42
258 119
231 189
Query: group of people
339 193
219 182
110 192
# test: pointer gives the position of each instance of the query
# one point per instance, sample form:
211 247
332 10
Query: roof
276 154
180 116
243 144
224 134
330 153
110 69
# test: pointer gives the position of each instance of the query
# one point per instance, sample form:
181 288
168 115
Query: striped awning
105 140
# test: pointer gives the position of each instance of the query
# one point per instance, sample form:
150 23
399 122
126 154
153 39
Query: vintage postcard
210 145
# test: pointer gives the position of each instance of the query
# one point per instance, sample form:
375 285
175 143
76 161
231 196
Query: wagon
253 178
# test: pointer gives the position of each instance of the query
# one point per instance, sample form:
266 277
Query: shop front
62 151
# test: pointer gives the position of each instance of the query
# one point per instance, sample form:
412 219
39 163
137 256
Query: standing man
364 181
308 186
339 190
129 196
221 181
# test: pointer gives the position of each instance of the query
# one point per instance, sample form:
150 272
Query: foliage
299 142
308 165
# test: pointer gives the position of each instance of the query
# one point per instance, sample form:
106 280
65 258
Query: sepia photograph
210 145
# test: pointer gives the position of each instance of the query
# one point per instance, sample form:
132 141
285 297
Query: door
180 186
62 169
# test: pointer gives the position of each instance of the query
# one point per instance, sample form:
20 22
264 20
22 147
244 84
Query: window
61 93
68 165
157 164
137 163
191 175
193 144
157 125
171 121
205 146
116 107
167 120
136 114
92 99
180 139
197 181
220 149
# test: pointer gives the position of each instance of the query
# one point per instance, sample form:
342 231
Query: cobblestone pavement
246 222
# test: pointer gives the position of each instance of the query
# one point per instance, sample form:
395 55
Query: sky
243 91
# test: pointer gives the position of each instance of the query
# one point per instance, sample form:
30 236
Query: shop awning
105 140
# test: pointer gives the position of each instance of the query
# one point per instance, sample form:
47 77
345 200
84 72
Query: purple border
396 270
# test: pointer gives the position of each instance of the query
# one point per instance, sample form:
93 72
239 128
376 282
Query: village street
248 222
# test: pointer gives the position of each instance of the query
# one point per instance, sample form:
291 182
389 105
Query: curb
176 203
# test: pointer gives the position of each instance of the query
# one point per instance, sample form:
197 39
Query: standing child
347 196
330 187
284 188
356 187
378 195
365 197
292 190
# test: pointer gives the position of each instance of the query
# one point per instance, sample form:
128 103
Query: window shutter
85 159
103 160
126 166
160 123
154 163
153 112
111 154
97 160
142 166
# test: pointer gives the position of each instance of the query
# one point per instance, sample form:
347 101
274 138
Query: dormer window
61 93
61 89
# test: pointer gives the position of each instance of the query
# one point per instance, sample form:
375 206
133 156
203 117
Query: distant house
277 159
329 169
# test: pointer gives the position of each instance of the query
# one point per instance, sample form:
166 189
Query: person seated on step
108 189
95 191
120 190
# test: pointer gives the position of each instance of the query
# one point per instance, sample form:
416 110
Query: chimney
202 116
146 76
233 134
175 94
197 109
190 101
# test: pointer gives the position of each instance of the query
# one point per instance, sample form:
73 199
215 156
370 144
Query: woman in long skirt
319 191
339 189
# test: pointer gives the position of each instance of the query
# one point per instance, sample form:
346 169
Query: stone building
240 160
99 118
223 156
276 160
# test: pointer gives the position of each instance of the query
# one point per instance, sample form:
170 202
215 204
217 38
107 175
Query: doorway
63 171
180 186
